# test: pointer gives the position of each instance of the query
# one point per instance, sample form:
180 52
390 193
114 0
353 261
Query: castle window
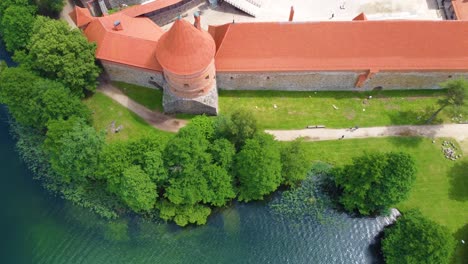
232 78
207 77
450 76
186 85
151 78
268 77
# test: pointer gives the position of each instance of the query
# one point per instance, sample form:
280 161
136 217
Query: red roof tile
81 16
336 46
461 9
134 45
185 49
360 17
139 10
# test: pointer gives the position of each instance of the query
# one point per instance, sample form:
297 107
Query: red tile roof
81 16
360 17
339 46
461 9
185 49
139 10
134 45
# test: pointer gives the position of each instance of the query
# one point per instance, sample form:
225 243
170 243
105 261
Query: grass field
441 188
298 109
106 110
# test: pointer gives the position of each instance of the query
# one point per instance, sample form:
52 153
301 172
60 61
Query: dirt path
154 118
456 131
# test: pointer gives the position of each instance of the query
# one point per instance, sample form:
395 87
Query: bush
374 182
415 239
258 167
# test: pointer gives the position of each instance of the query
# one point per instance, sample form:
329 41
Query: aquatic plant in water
306 201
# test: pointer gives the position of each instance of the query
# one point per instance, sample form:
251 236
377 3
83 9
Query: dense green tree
137 190
73 147
414 239
294 162
154 167
183 214
59 53
16 25
220 185
33 101
376 181
238 128
258 167
4 4
56 102
193 177
50 7
16 89
223 152
456 93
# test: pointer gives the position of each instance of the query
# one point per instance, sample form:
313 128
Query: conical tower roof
185 49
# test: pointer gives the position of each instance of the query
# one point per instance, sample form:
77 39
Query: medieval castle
189 64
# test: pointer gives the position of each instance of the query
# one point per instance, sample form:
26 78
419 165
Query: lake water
38 228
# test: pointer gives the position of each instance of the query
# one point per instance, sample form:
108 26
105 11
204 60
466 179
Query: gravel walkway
456 131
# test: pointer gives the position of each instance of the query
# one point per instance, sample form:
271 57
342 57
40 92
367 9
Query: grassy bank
296 110
106 110
441 188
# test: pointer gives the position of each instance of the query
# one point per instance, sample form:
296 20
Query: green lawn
106 110
298 109
441 188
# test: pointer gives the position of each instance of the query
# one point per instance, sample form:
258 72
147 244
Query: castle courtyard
318 10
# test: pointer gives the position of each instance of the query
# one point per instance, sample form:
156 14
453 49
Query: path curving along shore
154 118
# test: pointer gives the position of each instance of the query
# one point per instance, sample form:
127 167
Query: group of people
350 129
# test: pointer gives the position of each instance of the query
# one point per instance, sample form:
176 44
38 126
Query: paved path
154 118
69 5
457 131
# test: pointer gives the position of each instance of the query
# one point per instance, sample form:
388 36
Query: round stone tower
186 54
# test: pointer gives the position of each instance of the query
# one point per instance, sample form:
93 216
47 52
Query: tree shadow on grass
412 117
461 251
406 140
459 181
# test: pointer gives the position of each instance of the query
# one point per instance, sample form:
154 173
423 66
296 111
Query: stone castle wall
134 75
337 81
287 81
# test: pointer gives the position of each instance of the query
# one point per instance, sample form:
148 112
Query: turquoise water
39 228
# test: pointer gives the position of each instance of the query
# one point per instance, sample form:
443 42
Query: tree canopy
137 190
73 147
457 90
34 101
258 167
375 181
16 26
294 162
414 239
50 7
59 53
